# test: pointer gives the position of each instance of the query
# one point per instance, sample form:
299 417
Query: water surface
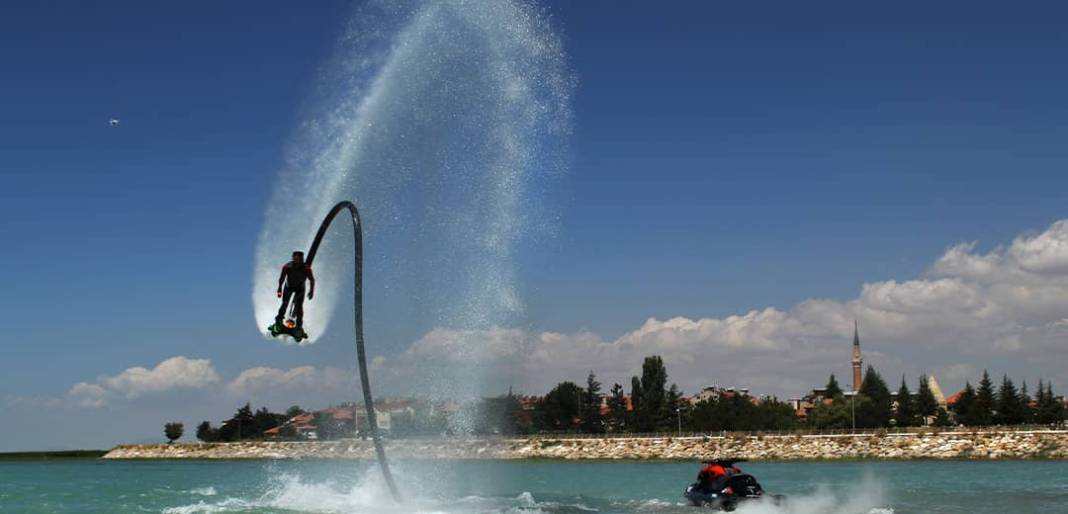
520 487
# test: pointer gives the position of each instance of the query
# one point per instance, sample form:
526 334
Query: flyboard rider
291 287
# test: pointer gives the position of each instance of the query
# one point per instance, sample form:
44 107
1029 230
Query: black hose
368 402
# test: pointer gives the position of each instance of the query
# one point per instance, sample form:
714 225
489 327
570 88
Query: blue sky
723 159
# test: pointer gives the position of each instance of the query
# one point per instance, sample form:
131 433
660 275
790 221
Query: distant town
654 406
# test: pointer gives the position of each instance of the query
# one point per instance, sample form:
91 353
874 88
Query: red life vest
710 473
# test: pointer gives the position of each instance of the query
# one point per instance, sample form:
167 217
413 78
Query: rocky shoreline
1045 444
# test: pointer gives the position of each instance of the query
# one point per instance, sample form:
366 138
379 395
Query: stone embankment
1051 444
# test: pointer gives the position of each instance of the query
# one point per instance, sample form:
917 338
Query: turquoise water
521 487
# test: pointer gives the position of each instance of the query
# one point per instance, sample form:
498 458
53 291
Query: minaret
856 357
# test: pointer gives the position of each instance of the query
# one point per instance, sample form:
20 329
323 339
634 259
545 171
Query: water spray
361 356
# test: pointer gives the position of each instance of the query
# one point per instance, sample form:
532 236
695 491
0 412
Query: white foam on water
368 495
865 497
200 507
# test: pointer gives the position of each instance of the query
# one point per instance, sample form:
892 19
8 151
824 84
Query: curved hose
372 422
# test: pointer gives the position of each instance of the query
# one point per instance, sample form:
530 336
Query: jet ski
727 491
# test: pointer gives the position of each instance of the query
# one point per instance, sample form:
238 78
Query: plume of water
441 120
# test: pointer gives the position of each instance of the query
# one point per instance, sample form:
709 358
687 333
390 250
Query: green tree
878 412
905 415
773 414
173 431
294 411
634 418
676 409
839 414
264 420
206 433
1026 404
1009 409
654 395
1041 404
833 389
500 415
1050 409
984 402
617 409
942 418
965 406
240 427
592 421
926 405
560 408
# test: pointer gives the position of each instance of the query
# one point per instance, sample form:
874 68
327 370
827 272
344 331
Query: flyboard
288 328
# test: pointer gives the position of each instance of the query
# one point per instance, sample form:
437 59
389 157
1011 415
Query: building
857 360
936 391
715 392
301 426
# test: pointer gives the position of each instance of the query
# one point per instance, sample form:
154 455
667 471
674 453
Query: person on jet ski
294 274
713 476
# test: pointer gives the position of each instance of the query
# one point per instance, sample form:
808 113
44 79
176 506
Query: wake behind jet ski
721 485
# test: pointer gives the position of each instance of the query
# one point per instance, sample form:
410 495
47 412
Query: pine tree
1041 404
1025 404
592 421
833 389
965 406
1009 410
985 405
926 405
1051 410
905 415
636 414
878 412
1058 405
617 409
206 433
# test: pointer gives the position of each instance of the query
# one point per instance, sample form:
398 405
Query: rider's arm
311 282
282 277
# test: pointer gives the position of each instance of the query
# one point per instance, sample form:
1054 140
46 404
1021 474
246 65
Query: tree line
874 407
654 406
1008 406
246 424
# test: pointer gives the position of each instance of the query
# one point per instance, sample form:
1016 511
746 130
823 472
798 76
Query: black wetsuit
294 276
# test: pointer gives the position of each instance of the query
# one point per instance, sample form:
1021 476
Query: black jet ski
726 492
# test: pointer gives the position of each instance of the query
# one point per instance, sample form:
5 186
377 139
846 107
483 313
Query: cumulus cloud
1002 308
1008 303
261 380
171 374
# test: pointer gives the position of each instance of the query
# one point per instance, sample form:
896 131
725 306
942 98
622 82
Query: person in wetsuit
291 286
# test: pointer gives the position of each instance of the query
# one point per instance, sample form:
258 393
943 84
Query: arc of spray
361 356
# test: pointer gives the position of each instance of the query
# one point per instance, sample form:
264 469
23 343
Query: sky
744 181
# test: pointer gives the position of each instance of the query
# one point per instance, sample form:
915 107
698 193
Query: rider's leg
298 307
285 305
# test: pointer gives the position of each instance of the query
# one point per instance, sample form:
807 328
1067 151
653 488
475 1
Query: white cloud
1007 307
1011 301
261 380
171 374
